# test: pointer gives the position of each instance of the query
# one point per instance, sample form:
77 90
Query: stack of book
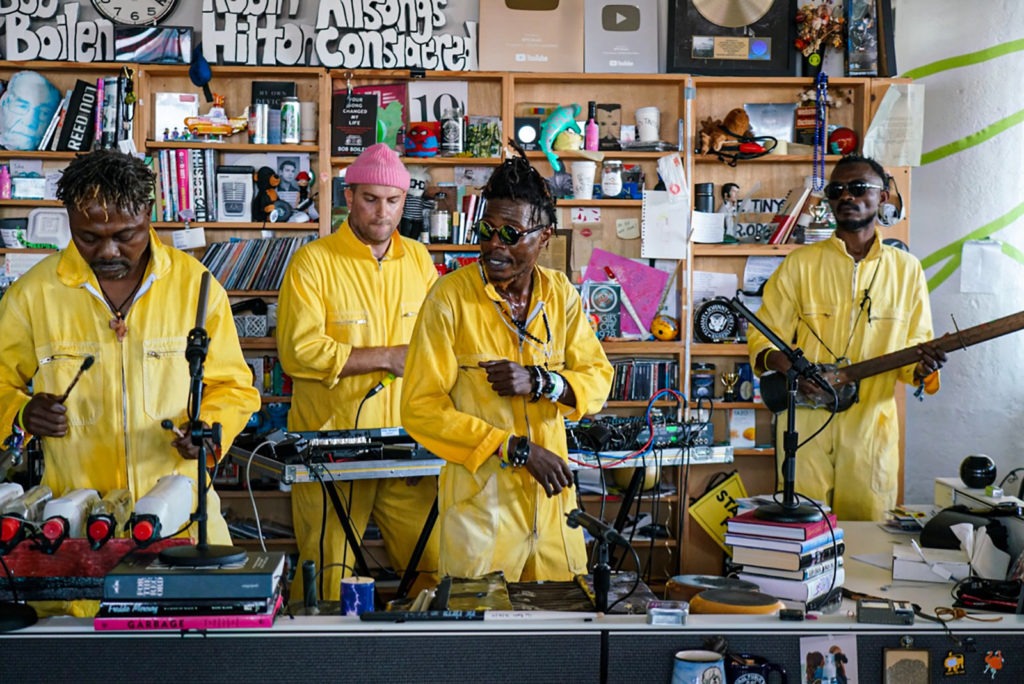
799 563
142 593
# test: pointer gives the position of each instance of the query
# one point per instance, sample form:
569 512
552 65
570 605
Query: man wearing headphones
848 299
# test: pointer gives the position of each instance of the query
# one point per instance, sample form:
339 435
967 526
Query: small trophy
730 380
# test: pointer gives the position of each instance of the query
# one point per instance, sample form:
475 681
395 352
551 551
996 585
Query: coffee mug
698 667
583 173
743 668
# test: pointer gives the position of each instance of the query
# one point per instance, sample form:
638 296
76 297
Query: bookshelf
683 102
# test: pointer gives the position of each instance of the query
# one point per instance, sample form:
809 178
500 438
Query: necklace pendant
117 324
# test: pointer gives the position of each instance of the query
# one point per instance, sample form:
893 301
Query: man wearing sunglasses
346 311
848 299
502 352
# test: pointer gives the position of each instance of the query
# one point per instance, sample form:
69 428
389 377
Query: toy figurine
421 141
412 214
266 205
561 119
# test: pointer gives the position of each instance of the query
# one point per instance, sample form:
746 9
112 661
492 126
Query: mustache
105 264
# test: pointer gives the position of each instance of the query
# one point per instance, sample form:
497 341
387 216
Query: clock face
134 12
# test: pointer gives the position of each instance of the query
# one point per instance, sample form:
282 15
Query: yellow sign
718 505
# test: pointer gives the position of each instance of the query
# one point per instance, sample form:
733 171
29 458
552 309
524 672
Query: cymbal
732 13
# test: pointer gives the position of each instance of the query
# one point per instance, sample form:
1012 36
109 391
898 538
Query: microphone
388 379
597 528
198 341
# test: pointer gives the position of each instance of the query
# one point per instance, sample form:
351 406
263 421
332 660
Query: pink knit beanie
378 165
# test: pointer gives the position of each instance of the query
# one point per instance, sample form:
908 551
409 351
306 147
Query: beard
854 225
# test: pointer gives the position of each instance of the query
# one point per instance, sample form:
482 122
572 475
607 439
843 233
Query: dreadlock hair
875 166
114 180
516 179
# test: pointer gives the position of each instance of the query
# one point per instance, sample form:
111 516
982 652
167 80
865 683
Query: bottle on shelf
591 134
5 183
440 226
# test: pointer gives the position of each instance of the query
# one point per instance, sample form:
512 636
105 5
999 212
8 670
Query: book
392 119
188 622
796 590
799 574
185 607
142 577
77 131
271 93
790 545
787 217
785 560
749 523
353 123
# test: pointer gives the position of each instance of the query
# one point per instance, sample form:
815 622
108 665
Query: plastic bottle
591 132
65 516
5 183
19 511
163 510
108 515
8 491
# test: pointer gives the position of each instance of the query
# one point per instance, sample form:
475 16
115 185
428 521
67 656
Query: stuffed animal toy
421 140
561 119
716 134
412 213
266 205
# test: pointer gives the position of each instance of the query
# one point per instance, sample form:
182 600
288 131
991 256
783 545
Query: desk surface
587 648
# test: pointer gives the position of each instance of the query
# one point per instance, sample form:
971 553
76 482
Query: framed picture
714 38
906 666
862 38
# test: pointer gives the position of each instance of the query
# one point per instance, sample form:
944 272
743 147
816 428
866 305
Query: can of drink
259 114
451 131
291 126
356 595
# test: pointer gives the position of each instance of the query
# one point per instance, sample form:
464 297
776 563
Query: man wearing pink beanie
346 312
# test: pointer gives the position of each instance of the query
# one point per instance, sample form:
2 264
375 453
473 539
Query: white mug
307 121
583 173
648 121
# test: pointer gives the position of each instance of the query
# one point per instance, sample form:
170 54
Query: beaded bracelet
537 383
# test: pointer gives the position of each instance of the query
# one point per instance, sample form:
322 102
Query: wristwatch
521 454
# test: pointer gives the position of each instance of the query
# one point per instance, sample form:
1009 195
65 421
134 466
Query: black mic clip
598 529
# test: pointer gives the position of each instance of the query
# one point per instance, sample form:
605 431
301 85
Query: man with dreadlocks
501 353
116 294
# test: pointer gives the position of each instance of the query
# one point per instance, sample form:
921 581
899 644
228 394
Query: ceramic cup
648 122
583 173
698 667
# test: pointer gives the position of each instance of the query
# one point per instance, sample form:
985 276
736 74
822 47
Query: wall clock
134 12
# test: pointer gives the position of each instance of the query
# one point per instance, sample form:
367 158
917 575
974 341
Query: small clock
135 12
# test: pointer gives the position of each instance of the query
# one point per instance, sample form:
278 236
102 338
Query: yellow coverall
495 518
337 296
821 301
55 315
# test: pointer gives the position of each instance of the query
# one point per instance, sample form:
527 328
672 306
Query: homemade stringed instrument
845 379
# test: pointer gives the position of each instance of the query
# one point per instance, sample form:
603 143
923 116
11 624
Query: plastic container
705 197
163 510
108 515
611 178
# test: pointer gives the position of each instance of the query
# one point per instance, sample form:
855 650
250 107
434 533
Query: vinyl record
732 13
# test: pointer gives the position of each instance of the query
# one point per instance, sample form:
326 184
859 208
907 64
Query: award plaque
732 37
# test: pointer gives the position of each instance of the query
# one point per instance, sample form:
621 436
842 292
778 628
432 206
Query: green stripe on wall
966 60
973 139
952 250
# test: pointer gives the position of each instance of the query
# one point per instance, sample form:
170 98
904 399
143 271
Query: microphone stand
790 510
202 554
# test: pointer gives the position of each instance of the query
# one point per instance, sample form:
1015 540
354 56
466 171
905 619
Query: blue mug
699 667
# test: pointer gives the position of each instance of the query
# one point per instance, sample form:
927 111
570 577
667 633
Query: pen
626 303
941 572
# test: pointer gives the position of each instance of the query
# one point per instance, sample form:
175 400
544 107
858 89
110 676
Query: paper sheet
663 227
708 227
981 265
643 285
895 134
707 285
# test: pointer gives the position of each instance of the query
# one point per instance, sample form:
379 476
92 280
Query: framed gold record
732 37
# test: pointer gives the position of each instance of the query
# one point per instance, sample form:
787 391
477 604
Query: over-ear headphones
890 214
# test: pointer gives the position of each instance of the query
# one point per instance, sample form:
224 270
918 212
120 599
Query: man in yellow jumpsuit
346 312
502 352
848 299
121 296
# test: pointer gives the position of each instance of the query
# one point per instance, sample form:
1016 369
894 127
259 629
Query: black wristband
549 382
537 383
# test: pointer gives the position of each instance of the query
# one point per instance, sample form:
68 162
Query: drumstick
86 365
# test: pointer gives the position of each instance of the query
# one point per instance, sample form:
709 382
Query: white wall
979 409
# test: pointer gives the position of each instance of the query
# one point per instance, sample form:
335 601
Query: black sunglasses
856 188
507 234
